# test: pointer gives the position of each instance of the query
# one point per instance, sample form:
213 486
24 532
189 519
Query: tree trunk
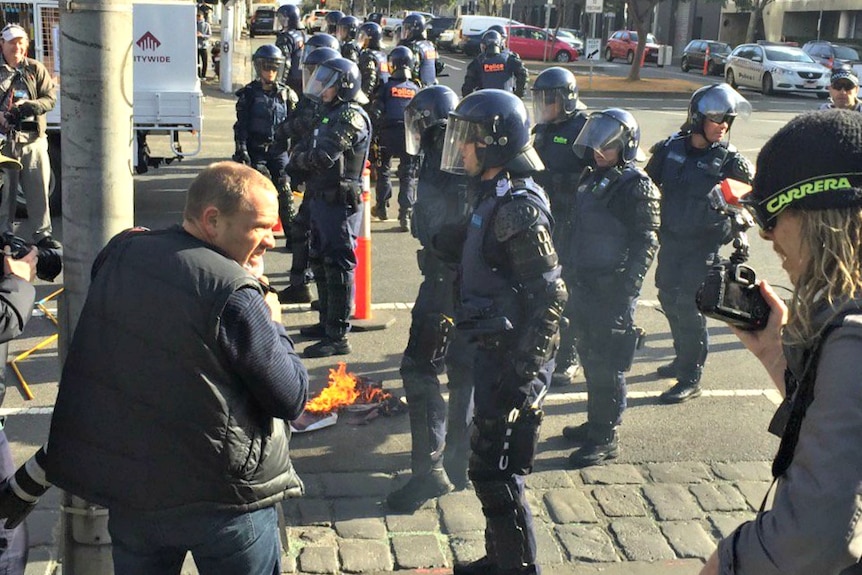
756 14
640 19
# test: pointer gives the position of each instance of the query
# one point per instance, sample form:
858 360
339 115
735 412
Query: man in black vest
495 67
179 380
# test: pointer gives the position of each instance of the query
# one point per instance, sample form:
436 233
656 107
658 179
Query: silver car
776 68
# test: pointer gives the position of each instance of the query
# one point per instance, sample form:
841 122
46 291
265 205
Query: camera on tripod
730 292
50 262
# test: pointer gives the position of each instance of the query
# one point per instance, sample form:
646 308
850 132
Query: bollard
362 316
706 61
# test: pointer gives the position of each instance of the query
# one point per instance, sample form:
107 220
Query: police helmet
499 29
413 27
339 73
288 17
496 122
719 103
609 129
315 59
319 41
429 109
492 42
555 95
268 57
332 20
347 28
369 35
401 62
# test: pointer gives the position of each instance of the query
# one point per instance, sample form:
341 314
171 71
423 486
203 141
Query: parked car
776 68
446 39
834 55
316 21
695 53
624 44
392 24
439 24
532 43
262 22
469 29
375 17
569 37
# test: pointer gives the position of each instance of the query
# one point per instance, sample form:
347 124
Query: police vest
396 95
441 197
352 161
599 240
382 65
426 55
350 50
298 39
486 292
496 73
266 110
687 176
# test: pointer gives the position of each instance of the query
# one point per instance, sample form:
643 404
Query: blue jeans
221 542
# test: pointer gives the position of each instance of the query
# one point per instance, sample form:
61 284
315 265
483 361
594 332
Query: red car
624 44
530 43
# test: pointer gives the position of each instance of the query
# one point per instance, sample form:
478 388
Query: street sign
593 48
594 6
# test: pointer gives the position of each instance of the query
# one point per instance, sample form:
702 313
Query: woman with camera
807 200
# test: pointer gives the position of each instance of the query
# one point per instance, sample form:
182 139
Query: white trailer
167 91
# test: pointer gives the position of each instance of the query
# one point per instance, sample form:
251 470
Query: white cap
12 31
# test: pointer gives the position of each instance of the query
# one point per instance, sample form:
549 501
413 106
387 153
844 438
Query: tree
754 22
640 11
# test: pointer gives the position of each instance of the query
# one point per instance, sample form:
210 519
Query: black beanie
813 163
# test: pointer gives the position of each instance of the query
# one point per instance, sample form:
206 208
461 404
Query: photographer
26 95
810 351
17 296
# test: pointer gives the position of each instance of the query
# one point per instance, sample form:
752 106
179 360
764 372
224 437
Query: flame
344 389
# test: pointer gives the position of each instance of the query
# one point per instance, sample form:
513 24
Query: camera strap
799 402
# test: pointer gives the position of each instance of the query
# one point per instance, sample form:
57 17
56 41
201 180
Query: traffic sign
594 6
593 48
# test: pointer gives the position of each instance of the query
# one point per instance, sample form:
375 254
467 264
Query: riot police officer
334 158
686 166
299 127
373 65
262 105
346 32
387 113
495 67
613 242
440 442
512 299
291 39
558 123
427 65
319 40
332 19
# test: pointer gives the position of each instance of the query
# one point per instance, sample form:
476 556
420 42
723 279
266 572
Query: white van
473 25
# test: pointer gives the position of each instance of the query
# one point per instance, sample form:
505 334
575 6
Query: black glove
241 155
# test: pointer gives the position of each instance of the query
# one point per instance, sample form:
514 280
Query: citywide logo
149 43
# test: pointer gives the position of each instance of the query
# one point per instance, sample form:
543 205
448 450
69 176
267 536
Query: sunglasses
269 67
843 86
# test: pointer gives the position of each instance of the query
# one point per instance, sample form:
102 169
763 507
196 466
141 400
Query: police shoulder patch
514 217
353 116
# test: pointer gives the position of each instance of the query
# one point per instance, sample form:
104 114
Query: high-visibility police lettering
494 67
807 189
561 140
397 92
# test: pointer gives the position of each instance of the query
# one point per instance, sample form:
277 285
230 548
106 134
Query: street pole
227 46
96 141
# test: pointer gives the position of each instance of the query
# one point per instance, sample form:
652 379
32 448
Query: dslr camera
49 264
730 292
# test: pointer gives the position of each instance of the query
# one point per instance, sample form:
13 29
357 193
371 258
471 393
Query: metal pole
96 140
819 20
227 46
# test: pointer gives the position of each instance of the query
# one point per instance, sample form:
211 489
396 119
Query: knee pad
429 340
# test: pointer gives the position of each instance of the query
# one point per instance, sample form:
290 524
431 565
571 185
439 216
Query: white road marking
454 60
771 394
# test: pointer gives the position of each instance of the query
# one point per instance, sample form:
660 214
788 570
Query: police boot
295 294
404 220
565 373
327 347
683 391
667 370
379 211
316 331
577 433
602 445
419 489
482 566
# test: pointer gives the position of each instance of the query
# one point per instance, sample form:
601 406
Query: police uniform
388 114
291 43
690 237
259 112
503 71
374 70
334 159
350 50
611 247
511 300
553 142
427 64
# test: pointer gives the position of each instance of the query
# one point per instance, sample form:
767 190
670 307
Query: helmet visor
362 39
462 148
320 81
263 66
415 123
548 106
406 32
343 33
722 104
599 133
306 50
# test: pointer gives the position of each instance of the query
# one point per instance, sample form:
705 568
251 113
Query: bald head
226 186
